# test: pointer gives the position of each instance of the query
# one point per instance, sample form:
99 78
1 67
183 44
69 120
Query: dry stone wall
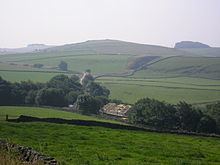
27 154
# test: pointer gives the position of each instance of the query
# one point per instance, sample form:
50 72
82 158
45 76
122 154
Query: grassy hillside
15 76
96 145
101 56
183 66
117 47
97 63
207 52
173 90
112 56
14 112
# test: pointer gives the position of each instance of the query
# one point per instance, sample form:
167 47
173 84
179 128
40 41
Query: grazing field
171 79
14 112
97 145
97 63
103 63
172 90
15 76
207 52
204 67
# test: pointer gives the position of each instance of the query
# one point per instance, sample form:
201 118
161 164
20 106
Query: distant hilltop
28 49
117 47
190 44
37 45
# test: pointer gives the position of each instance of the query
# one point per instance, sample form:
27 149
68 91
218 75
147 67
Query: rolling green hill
112 57
79 145
101 56
116 47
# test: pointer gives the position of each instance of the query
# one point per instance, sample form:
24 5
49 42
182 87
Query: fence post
6 117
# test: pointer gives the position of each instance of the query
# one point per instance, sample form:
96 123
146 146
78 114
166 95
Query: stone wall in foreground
27 154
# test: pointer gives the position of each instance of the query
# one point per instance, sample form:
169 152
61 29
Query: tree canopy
63 66
160 115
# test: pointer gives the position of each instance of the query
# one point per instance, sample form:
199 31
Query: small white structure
119 110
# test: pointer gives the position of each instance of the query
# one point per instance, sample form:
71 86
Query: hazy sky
161 22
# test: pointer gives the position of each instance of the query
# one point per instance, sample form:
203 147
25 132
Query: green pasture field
106 63
172 90
97 145
14 112
204 67
8 66
208 52
97 63
15 76
32 56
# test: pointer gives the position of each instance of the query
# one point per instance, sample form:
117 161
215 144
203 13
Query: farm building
119 110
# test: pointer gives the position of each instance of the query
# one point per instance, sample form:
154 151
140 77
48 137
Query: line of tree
183 116
60 91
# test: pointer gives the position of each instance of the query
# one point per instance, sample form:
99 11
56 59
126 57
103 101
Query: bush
5 92
51 97
71 97
153 113
88 104
38 65
65 83
161 115
206 125
189 117
214 112
95 89
30 98
63 66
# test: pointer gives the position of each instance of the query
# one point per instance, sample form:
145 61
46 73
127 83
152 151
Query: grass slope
173 90
183 66
96 145
16 76
117 47
207 52
13 112
101 56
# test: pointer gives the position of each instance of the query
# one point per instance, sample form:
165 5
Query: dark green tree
30 97
74 78
51 97
5 92
71 97
38 65
189 117
88 104
95 89
64 82
206 125
102 99
20 91
213 110
63 66
153 113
